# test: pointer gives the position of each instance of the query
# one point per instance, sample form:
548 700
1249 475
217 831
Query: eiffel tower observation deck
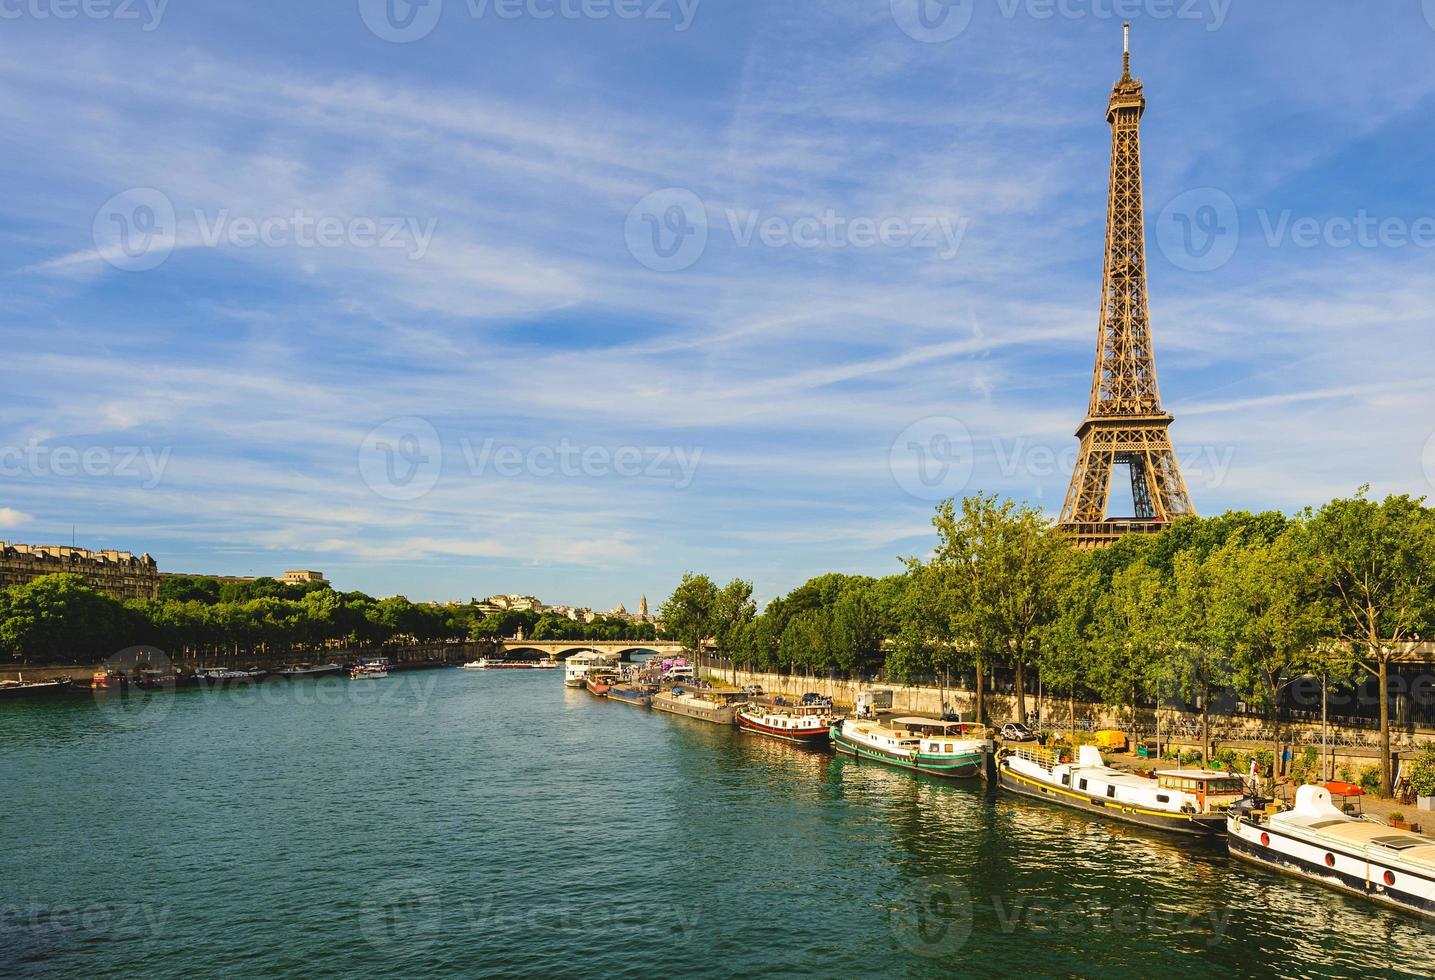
1125 425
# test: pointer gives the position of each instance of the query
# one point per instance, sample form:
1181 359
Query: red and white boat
803 724
486 664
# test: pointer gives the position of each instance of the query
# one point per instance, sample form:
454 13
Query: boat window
1110 790
1396 843
1162 798
1066 779
951 747
1083 784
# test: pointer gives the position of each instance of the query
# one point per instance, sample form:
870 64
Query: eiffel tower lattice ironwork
1125 424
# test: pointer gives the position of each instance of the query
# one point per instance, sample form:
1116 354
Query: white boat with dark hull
576 667
370 670
1188 801
296 671
954 749
1359 856
227 675
802 724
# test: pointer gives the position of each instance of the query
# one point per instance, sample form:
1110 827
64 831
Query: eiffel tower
1125 424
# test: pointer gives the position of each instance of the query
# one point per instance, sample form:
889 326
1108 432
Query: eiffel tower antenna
1125 424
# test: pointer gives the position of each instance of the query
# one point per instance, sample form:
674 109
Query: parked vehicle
1015 731
753 690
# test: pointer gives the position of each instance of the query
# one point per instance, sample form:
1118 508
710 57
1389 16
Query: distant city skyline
570 306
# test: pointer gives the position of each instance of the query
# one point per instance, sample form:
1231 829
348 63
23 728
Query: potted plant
1397 820
1422 777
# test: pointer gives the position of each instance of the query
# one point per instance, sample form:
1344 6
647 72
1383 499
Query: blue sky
873 282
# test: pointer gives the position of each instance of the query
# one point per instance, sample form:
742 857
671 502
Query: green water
462 823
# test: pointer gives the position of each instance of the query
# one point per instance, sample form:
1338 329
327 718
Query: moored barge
717 705
801 724
1358 856
953 749
1187 801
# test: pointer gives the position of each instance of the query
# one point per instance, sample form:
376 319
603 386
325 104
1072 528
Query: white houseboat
1189 801
805 724
1357 855
576 667
955 749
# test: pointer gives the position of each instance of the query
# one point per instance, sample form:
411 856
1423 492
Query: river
443 823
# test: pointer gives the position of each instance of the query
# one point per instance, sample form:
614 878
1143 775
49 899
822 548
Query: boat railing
1041 757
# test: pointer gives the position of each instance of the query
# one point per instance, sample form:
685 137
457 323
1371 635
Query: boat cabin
935 735
1203 784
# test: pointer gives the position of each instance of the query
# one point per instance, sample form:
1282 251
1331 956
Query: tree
1376 562
1197 661
1264 611
688 612
1002 564
1126 638
733 609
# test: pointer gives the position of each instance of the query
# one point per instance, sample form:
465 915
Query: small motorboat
295 671
109 680
370 670
229 675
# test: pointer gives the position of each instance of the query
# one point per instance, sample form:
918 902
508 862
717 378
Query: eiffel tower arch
1125 424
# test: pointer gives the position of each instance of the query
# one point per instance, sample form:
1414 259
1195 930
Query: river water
495 824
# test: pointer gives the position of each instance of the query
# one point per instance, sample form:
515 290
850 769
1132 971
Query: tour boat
370 670
805 724
23 689
576 667
1354 854
1188 801
227 675
954 749
500 664
308 670
600 681
717 705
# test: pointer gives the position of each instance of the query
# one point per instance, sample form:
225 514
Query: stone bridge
563 649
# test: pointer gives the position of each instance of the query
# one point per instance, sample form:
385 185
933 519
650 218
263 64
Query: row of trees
1245 603
62 619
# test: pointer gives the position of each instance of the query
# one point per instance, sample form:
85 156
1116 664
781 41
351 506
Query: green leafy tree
689 612
1376 562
